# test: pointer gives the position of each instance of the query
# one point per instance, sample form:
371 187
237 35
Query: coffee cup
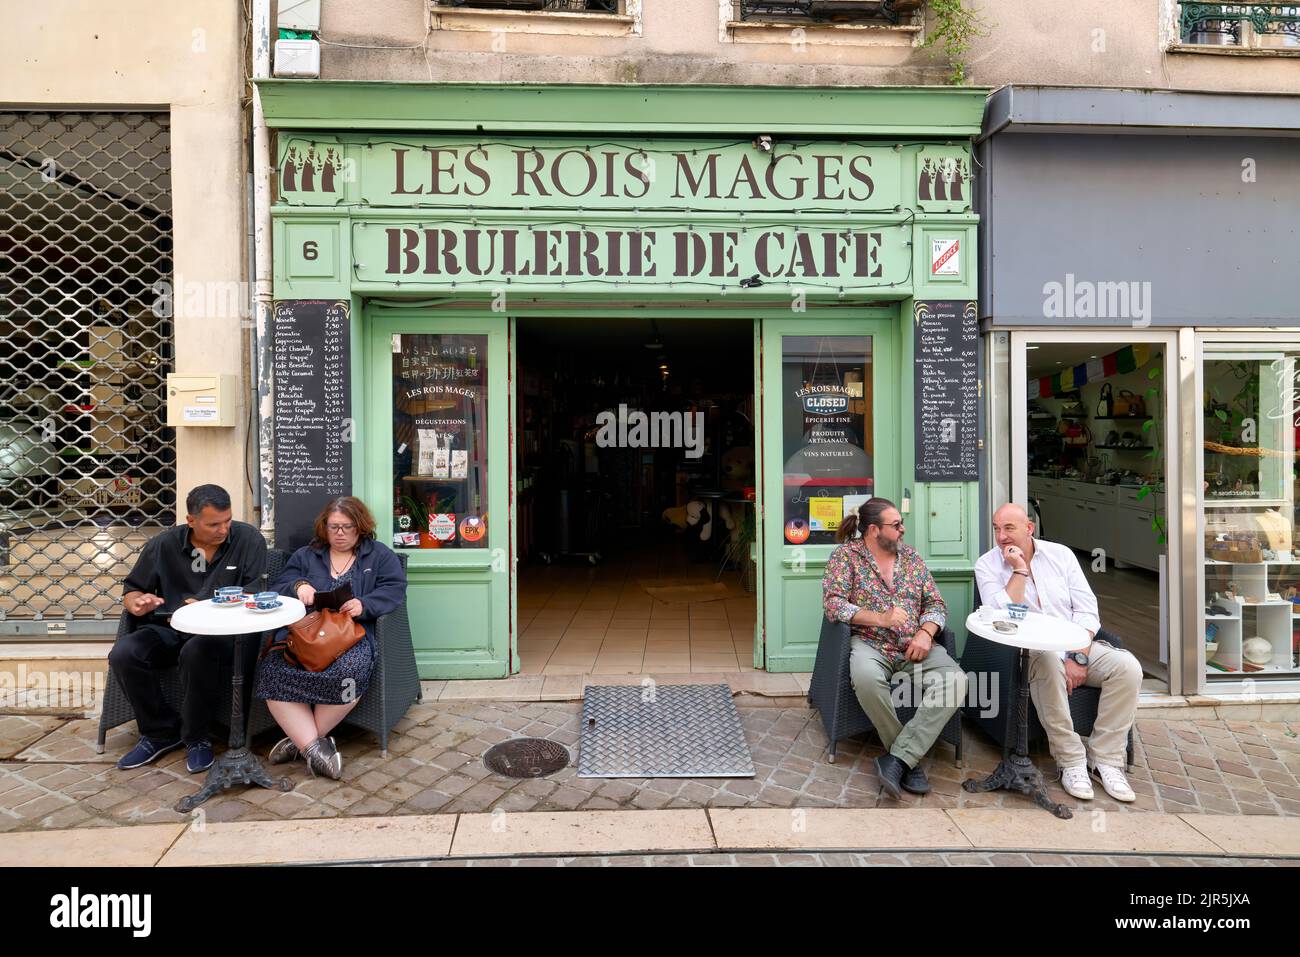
1018 610
266 599
229 593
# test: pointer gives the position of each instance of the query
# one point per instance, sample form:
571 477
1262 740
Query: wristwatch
1078 657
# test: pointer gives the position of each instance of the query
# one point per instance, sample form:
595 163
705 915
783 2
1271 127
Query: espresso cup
262 596
1018 611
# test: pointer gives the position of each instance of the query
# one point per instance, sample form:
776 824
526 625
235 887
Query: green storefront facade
441 215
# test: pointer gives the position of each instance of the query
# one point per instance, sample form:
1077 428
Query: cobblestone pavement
51 777
968 859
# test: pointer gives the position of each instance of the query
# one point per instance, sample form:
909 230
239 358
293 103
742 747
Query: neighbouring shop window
827 439
440 441
1251 509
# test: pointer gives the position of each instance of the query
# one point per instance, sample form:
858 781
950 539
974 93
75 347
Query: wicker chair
394 683
117 709
982 656
831 690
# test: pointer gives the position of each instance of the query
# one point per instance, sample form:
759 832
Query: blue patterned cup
1018 610
267 599
229 593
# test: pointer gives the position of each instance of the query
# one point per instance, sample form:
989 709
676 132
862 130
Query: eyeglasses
896 526
340 529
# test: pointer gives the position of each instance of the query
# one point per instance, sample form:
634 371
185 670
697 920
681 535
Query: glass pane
1251 486
827 437
440 439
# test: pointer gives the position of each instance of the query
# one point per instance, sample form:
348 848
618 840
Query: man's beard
890 546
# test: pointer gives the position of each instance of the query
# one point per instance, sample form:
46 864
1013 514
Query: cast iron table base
1017 772
238 765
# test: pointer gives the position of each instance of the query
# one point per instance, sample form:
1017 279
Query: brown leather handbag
316 641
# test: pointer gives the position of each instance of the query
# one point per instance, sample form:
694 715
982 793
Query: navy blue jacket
378 578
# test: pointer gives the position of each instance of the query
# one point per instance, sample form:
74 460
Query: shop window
827 435
1268 26
440 441
1251 495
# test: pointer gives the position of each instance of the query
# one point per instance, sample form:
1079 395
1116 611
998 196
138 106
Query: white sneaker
1114 782
1075 782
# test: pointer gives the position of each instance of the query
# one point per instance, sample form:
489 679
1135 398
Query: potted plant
420 517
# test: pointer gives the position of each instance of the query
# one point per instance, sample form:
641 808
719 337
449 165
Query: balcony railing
882 12
546 6
1247 25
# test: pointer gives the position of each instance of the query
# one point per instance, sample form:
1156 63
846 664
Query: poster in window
826 425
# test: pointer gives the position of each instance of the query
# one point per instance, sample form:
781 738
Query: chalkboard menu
312 449
946 375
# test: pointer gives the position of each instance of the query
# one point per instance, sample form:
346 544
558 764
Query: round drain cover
526 758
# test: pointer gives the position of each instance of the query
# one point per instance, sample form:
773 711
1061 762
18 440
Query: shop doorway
1091 439
634 449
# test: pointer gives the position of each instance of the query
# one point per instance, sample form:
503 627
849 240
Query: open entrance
1096 437
634 445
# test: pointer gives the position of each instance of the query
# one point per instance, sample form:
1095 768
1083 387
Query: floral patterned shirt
852 582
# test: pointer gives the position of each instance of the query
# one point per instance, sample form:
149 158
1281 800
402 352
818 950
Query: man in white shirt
1047 577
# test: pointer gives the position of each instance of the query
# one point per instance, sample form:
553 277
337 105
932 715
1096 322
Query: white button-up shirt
1056 587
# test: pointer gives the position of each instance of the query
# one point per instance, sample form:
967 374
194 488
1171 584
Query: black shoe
891 771
916 782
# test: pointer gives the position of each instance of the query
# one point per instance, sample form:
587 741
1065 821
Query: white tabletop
205 618
1037 632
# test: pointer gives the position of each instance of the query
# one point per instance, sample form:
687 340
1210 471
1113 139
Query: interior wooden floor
1129 602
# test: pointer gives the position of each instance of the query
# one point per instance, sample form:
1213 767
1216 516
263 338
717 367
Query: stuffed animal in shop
694 517
737 467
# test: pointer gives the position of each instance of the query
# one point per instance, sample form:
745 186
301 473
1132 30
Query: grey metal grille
87 467
662 731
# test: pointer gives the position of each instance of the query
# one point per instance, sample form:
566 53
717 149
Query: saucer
262 611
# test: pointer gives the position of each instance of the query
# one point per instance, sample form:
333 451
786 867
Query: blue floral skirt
343 682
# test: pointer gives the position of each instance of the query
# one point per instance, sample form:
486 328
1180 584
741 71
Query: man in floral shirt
882 588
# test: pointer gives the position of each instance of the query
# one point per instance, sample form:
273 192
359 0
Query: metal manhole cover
526 758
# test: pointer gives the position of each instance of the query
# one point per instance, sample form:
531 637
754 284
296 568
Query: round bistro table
1036 632
238 765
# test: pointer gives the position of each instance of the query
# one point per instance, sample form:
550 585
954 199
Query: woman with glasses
309 704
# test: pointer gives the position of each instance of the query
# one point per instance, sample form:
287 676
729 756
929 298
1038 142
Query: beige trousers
1118 675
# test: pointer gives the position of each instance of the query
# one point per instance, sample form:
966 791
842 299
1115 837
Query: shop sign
717 175
604 255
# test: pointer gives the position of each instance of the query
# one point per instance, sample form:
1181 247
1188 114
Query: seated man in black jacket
181 565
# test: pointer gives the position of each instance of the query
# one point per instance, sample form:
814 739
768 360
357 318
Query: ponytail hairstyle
871 513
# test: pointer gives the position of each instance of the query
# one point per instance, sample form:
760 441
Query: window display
440 441
827 414
1251 494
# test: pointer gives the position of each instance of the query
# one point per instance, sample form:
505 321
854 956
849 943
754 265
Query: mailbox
201 399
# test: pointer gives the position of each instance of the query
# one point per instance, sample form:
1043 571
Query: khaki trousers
1118 675
937 688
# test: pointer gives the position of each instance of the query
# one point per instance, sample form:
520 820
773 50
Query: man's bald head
1011 512
1011 526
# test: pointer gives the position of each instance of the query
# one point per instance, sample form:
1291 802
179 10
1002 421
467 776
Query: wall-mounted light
763 142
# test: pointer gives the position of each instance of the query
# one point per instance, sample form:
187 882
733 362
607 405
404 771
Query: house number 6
309 250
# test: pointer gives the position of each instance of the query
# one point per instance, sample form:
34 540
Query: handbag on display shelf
1106 403
316 641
